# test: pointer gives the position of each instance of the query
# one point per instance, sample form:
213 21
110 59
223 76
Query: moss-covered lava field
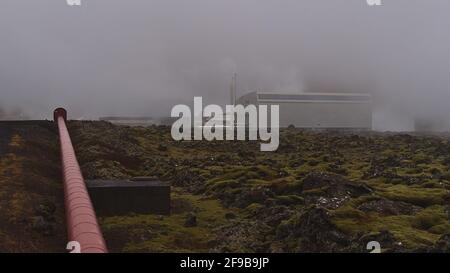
319 192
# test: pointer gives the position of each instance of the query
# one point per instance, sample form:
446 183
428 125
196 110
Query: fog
140 57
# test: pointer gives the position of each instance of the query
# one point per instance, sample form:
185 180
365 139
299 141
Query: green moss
220 185
413 231
347 212
154 233
415 195
400 226
290 200
443 228
421 158
398 167
431 217
286 186
254 207
316 191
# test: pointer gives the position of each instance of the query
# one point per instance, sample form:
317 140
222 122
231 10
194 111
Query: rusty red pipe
82 225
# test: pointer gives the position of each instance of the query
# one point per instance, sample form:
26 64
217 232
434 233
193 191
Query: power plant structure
317 110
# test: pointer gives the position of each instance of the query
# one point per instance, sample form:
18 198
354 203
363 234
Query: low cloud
116 57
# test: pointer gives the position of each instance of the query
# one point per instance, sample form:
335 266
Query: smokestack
233 88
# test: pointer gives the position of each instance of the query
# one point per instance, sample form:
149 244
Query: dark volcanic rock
245 196
244 236
334 184
447 210
331 191
385 238
230 216
191 220
189 179
43 226
388 207
383 167
272 216
313 231
443 244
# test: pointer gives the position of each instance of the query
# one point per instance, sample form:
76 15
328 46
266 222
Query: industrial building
139 121
317 110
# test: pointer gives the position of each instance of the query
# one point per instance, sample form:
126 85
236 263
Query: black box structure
111 197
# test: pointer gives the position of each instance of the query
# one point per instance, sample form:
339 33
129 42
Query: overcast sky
139 57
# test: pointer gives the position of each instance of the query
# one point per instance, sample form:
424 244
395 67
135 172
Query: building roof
341 97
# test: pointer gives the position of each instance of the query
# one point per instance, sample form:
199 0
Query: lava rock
388 207
443 244
385 238
191 220
313 231
230 216
41 225
332 191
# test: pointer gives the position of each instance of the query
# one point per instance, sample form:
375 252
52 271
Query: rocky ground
31 201
320 192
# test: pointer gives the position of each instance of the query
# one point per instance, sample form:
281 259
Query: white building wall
324 114
319 114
